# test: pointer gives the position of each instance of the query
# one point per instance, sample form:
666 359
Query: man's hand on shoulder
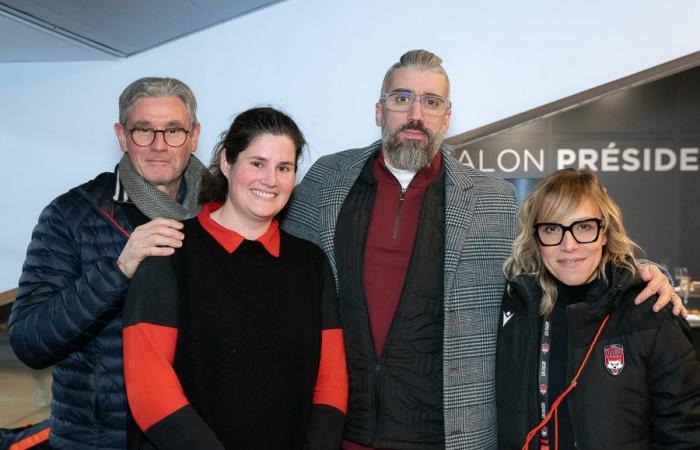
159 237
657 283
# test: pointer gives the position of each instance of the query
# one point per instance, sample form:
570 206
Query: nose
270 176
415 112
568 243
159 144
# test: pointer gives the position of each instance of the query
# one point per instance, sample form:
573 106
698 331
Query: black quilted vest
395 398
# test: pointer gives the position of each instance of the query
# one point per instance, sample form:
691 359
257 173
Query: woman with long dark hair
234 341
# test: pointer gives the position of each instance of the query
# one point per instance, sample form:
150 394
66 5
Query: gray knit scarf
154 203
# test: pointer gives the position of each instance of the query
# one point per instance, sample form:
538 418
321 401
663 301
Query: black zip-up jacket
396 398
653 402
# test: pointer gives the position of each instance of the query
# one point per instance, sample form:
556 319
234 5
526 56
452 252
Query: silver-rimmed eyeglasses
173 136
584 231
401 101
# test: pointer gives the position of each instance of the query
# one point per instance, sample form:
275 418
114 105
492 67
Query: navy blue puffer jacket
68 313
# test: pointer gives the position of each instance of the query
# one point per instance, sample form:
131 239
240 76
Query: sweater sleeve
62 303
330 399
156 398
674 386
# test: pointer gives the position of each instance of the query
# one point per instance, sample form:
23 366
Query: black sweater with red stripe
235 350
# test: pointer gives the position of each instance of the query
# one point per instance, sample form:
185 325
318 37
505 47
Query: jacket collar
603 297
525 294
350 166
100 192
456 175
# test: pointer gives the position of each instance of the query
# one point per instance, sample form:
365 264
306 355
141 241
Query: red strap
31 441
110 217
555 405
332 380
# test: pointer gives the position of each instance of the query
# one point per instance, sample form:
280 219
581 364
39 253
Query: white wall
322 61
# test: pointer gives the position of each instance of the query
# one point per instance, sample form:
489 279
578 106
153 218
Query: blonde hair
553 198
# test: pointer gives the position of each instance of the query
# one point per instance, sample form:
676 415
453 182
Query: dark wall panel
624 112
644 142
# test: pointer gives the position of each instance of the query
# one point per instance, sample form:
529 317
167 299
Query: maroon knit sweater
388 247
390 238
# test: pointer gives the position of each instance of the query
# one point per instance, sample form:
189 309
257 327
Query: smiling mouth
263 194
570 262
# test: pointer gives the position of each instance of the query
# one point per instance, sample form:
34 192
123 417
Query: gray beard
410 154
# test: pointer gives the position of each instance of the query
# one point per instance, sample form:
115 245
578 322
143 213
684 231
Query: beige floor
22 401
24 393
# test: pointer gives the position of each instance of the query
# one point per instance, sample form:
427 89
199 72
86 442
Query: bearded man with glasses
85 248
417 241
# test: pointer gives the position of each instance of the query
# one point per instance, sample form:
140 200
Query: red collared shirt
229 239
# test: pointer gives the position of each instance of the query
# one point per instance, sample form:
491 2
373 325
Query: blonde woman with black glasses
578 364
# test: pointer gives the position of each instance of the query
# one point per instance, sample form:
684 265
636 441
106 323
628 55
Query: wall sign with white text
645 144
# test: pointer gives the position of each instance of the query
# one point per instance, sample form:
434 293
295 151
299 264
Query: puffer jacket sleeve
674 386
63 303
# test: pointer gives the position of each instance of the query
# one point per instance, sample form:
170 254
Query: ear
194 133
223 164
446 121
378 114
605 237
121 135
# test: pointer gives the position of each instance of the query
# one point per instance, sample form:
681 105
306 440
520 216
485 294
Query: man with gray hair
85 248
417 242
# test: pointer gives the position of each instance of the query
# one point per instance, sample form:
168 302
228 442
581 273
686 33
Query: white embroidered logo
507 315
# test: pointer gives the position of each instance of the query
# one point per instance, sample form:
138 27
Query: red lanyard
555 405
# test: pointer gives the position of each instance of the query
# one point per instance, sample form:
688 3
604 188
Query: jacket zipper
397 219
534 322
532 362
570 358
377 360
377 399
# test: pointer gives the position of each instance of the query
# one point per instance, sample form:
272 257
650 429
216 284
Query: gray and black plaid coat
480 220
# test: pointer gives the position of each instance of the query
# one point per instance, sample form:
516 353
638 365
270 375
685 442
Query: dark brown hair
245 128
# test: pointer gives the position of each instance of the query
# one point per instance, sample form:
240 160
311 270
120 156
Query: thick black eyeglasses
174 137
584 231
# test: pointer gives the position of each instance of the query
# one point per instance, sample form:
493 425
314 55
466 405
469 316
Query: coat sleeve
674 387
156 398
663 269
61 304
330 398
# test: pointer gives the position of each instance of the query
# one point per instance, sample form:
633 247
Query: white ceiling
89 30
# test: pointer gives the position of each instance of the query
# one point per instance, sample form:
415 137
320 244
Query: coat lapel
338 184
460 201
